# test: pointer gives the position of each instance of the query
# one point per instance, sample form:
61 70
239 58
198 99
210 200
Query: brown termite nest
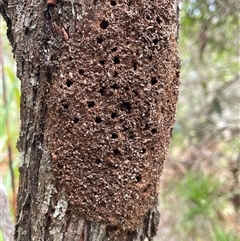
112 107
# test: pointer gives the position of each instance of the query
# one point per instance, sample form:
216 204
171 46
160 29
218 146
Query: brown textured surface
112 107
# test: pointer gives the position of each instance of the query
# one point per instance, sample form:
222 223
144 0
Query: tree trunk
99 84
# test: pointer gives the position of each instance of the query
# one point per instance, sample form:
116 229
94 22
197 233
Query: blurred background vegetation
200 194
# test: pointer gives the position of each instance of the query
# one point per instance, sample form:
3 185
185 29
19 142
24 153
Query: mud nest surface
112 107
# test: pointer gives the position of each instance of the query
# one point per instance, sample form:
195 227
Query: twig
9 146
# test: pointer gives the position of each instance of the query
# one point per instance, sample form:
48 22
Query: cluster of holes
125 106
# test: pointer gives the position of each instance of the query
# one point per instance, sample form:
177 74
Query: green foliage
1 236
202 172
220 235
9 121
200 193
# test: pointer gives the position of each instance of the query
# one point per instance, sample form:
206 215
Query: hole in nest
60 166
114 49
135 92
155 41
138 178
134 64
154 81
99 40
125 106
114 86
158 20
26 31
104 24
146 127
113 3
101 62
143 150
131 2
116 60
98 161
102 91
76 120
69 83
115 74
132 135
114 135
154 130
150 57
113 115
81 71
90 104
148 17
65 106
98 119
49 76
116 152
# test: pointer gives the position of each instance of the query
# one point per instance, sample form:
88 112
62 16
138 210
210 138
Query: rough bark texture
99 92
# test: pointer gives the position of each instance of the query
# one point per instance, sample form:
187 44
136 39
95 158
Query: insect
51 2
49 14
54 157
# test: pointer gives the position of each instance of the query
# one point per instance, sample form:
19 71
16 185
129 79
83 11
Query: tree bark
99 84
